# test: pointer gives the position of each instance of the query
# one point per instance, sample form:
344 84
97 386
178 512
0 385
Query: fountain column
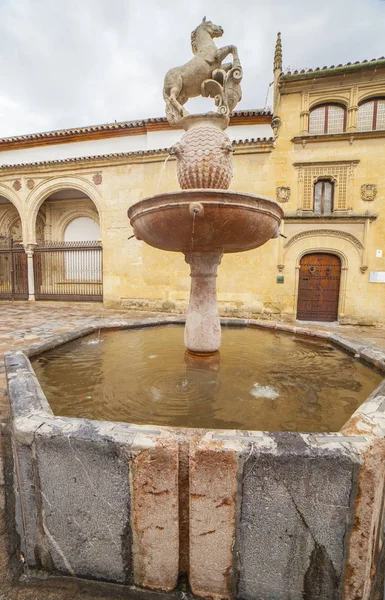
202 332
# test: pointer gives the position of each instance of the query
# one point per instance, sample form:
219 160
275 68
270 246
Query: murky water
262 381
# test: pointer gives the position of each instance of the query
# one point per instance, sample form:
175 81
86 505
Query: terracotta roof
121 125
121 155
333 69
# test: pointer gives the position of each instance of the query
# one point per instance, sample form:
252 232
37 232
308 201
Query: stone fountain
205 219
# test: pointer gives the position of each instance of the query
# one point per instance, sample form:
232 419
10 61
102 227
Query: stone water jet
204 220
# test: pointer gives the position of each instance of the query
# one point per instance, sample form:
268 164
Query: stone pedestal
202 332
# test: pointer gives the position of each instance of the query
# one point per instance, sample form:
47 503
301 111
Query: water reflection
261 380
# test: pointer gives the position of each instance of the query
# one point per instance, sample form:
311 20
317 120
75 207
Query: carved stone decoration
17 185
204 157
368 192
224 88
283 193
16 232
326 232
276 126
205 75
97 179
30 184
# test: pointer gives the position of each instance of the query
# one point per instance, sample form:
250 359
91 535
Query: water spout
161 173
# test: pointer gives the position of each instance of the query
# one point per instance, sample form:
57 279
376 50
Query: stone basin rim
355 426
226 198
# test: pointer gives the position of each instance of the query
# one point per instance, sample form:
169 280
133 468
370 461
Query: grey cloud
78 62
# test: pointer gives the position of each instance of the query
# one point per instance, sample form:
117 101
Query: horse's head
214 30
200 34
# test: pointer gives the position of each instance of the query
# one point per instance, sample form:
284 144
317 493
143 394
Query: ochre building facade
320 152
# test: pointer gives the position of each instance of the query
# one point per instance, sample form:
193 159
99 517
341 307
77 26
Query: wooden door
319 287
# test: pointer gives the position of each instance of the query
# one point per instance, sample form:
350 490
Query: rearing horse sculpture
187 81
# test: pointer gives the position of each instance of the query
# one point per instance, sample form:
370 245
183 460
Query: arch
9 216
330 178
341 255
90 230
71 215
368 96
56 184
352 239
335 101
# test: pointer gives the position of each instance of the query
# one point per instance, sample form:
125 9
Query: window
328 118
323 197
371 115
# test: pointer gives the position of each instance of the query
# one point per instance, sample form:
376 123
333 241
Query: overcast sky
68 63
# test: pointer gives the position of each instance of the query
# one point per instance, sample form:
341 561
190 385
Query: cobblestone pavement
24 323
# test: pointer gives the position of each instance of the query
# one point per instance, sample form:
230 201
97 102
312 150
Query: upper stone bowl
205 220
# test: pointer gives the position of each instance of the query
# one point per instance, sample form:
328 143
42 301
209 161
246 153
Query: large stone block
295 520
84 504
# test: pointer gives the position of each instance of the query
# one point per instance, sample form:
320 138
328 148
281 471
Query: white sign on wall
377 277
378 253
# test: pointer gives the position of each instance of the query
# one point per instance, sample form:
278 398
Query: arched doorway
319 287
13 259
68 262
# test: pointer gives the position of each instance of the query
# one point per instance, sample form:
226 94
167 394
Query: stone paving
24 323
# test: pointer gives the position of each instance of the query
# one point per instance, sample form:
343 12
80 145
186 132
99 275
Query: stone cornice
249 146
121 129
334 217
338 137
325 163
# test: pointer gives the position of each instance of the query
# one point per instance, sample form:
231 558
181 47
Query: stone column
202 332
29 249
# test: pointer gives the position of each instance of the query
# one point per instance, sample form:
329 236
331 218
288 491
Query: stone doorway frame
343 278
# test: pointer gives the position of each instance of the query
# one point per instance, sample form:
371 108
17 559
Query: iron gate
69 271
13 270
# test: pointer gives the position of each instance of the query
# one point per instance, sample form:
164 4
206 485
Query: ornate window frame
341 172
371 100
326 120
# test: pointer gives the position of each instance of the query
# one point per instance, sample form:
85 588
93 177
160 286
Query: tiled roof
121 155
333 69
112 127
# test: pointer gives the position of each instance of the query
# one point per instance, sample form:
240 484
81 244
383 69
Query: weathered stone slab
297 509
84 503
213 487
155 517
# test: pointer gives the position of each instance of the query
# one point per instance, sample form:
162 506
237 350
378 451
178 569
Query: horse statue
204 75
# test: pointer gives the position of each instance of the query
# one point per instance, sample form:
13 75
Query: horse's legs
173 99
225 51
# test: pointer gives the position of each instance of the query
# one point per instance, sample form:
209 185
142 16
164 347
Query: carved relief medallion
97 179
30 184
17 185
283 193
368 192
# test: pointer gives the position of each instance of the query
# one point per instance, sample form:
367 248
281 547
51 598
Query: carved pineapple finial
278 53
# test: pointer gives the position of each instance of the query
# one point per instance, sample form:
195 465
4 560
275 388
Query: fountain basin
204 224
243 513
224 221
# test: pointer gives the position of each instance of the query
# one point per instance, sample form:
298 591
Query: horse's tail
172 115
